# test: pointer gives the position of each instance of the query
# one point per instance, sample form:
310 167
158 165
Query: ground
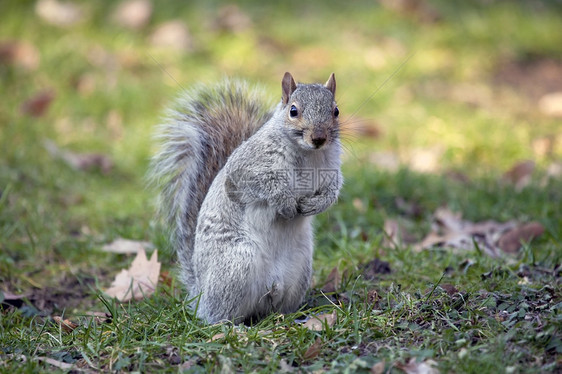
447 109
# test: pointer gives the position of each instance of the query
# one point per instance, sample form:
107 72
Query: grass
454 98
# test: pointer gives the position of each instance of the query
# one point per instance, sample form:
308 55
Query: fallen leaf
511 241
8 298
99 317
67 325
230 18
38 104
396 234
449 288
388 161
332 281
450 230
86 84
426 160
218 336
166 278
132 14
19 53
420 10
372 296
554 170
318 322
414 367
314 350
138 281
125 246
358 205
520 174
173 356
551 104
80 161
58 13
378 368
173 35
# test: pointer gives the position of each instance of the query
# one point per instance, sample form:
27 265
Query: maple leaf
121 245
137 282
316 323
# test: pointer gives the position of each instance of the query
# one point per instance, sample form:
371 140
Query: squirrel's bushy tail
199 133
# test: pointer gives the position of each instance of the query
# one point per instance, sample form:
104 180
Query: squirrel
239 186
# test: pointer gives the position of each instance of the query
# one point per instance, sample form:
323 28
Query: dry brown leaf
166 278
450 230
218 336
37 105
314 350
388 161
378 368
80 161
19 53
230 18
395 234
449 288
67 325
317 322
9 298
139 280
125 246
426 160
520 174
58 13
239 333
391 229
173 35
332 281
132 14
554 170
510 242
358 205
551 104
372 296
413 367
7 295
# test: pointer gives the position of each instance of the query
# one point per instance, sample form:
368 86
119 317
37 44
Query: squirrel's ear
331 84
288 85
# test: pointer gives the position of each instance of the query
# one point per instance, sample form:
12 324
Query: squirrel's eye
336 112
293 112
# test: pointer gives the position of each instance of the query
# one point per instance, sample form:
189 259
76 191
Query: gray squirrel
240 184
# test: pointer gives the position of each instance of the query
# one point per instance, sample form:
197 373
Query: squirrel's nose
319 141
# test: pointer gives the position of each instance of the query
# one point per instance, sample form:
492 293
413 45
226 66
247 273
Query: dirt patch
72 292
531 77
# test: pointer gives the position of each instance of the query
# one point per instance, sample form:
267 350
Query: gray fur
251 253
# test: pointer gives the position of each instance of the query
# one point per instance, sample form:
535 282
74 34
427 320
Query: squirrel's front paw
288 208
306 206
311 205
288 212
